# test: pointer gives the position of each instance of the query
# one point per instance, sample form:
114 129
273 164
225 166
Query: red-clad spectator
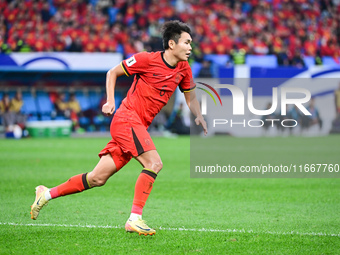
154 13
301 29
167 10
84 35
219 5
287 11
247 26
185 16
112 43
2 37
227 41
11 12
29 38
281 30
327 48
243 45
43 43
101 22
3 5
260 18
254 2
12 41
54 27
122 36
81 8
260 47
277 44
142 21
336 54
120 3
222 25
91 45
294 44
58 43
139 6
129 17
206 46
67 31
129 49
219 46
104 42
310 47
75 31
313 12
325 31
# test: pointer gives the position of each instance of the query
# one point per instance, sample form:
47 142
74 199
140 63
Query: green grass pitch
191 216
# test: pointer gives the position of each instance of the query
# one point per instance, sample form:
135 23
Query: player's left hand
200 121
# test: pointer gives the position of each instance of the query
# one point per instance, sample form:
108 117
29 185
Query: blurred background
55 55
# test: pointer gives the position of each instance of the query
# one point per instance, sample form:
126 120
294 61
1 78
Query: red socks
75 184
79 183
142 190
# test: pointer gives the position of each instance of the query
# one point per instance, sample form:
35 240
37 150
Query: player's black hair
171 30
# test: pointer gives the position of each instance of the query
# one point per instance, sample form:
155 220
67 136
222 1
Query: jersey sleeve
187 84
138 63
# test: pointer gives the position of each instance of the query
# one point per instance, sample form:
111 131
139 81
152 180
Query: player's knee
96 180
158 166
155 166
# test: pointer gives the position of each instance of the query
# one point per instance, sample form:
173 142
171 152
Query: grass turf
256 216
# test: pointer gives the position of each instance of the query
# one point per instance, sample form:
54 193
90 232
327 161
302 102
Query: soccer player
157 76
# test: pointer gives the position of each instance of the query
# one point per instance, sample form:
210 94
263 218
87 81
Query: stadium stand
30 107
128 26
39 106
44 105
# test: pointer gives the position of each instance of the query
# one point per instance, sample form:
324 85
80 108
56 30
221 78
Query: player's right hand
200 121
108 108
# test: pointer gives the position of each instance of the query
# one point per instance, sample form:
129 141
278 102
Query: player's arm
194 106
111 79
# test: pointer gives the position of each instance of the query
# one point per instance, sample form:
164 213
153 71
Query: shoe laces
142 223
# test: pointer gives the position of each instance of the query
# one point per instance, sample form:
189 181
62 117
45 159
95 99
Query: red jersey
154 83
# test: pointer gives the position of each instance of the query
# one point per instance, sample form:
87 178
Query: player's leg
101 173
152 164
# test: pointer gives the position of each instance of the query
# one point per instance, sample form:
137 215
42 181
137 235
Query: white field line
179 229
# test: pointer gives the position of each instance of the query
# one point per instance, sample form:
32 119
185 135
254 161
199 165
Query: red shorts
130 139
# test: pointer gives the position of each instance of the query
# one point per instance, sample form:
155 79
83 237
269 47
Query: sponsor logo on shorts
147 141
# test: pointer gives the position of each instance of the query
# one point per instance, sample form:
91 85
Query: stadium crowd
287 28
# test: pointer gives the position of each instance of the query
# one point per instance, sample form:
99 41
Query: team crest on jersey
131 61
